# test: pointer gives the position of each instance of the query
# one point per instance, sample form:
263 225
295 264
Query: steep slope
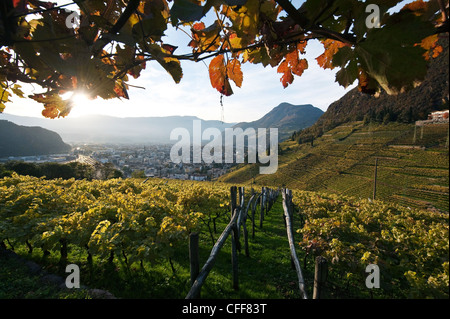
431 95
24 141
287 118
412 164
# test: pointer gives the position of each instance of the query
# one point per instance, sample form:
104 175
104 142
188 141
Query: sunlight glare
81 104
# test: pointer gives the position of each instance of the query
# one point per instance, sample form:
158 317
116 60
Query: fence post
234 210
290 235
290 206
234 256
253 216
261 216
194 258
320 277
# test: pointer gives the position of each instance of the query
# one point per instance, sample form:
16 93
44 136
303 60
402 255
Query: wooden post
253 215
244 218
290 206
301 281
194 258
234 256
233 194
261 215
211 259
320 277
240 218
375 179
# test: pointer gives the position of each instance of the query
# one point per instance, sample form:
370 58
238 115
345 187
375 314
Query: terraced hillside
412 164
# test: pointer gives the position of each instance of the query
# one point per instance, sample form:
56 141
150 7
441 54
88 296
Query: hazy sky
261 90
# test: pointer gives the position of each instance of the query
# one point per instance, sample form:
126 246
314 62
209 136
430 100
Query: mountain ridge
287 117
18 140
109 129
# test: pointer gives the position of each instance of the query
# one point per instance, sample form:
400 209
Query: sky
261 90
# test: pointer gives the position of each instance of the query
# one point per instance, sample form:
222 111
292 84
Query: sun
81 104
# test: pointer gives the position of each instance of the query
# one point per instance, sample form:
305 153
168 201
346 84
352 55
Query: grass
266 273
17 282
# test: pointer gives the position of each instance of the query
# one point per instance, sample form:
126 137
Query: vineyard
131 237
413 164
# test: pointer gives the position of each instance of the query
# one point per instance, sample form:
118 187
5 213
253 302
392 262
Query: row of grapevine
139 221
240 211
411 247
149 220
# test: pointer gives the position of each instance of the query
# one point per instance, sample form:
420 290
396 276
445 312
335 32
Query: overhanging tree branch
126 14
304 23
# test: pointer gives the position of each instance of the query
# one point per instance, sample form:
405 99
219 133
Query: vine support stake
320 277
194 258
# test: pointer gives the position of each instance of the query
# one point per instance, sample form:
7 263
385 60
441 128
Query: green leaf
185 11
235 2
346 76
173 67
152 26
342 56
390 54
16 89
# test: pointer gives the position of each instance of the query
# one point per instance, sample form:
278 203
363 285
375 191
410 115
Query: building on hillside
198 177
438 116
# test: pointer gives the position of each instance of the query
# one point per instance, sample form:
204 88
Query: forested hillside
25 141
413 105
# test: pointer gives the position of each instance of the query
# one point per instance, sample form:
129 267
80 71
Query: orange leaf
218 76
234 72
50 111
291 65
287 77
301 46
198 26
331 48
432 46
366 84
416 6
300 67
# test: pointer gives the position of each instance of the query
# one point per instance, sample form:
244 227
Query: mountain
287 118
416 104
107 129
26 141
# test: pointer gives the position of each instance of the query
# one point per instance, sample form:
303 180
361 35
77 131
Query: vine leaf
234 72
185 11
392 58
431 45
218 76
54 105
292 64
331 48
